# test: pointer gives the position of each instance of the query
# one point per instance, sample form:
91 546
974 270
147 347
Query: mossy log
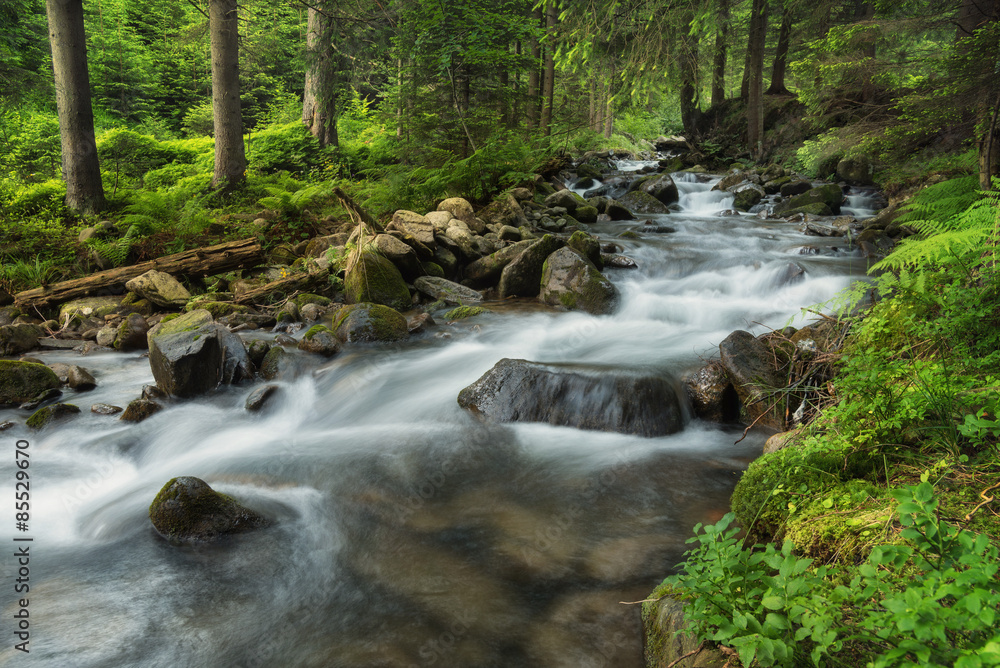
196 262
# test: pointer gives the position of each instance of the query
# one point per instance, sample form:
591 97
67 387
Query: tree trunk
755 77
975 15
319 99
865 11
688 62
719 64
230 155
534 102
549 81
777 86
80 167
989 149
217 259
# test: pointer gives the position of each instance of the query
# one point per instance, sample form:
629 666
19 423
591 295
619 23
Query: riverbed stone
576 395
830 195
712 395
140 409
23 381
19 338
76 377
88 307
566 199
447 291
414 224
666 637
522 276
188 510
639 201
401 255
47 414
587 246
369 323
572 281
160 288
131 333
487 270
373 278
320 339
747 196
660 186
105 409
260 397
190 355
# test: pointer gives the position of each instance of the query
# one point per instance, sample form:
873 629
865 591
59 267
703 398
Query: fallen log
284 286
195 262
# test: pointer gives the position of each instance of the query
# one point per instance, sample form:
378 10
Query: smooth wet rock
419 323
370 323
105 409
321 340
46 415
522 276
191 355
447 291
257 350
747 196
131 333
712 396
618 261
570 280
638 201
576 395
140 409
187 510
587 246
259 398
160 288
76 377
487 270
401 255
660 186
23 381
750 368
373 278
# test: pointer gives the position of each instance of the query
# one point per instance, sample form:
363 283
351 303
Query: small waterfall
696 197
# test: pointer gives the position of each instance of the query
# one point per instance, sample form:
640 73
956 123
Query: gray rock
19 338
749 367
105 409
23 381
259 397
401 255
369 323
447 291
576 395
106 336
140 409
712 396
638 201
131 334
321 341
522 276
572 281
160 288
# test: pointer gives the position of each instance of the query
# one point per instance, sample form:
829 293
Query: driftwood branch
358 214
198 262
284 286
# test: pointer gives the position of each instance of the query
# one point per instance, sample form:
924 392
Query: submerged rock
44 416
187 510
576 395
366 323
140 409
23 381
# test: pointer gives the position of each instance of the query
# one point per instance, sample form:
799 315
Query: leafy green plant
20 274
929 600
290 203
115 252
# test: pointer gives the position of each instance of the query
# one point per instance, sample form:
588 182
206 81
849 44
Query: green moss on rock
462 312
23 381
187 510
47 414
310 298
367 322
375 279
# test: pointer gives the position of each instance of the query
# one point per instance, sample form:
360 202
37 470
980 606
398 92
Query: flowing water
406 532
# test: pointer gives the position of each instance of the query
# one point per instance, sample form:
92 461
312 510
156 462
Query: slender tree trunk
80 167
592 109
974 15
534 102
689 72
755 77
865 11
230 155
399 91
721 55
549 80
777 86
609 112
319 98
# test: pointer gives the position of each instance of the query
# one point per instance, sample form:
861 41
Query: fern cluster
115 252
954 220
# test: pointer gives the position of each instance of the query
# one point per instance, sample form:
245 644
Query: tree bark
319 98
688 62
777 86
549 81
533 75
80 167
721 55
975 15
197 262
230 154
755 77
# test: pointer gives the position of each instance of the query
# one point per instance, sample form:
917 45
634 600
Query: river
406 532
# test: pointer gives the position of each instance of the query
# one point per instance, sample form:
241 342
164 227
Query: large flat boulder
576 395
160 288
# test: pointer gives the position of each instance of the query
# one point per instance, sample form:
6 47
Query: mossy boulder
751 369
666 638
486 270
745 197
572 281
8 314
638 201
88 307
463 312
160 288
441 289
373 278
814 209
368 323
131 333
791 188
321 340
23 381
187 510
191 355
276 363
47 414
587 246
566 199
133 303
522 276
19 338
220 309
433 269
310 298
140 409
586 214
660 186
830 195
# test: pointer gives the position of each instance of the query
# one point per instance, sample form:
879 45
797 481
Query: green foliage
290 197
198 120
287 147
930 601
18 274
115 252
45 198
30 144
